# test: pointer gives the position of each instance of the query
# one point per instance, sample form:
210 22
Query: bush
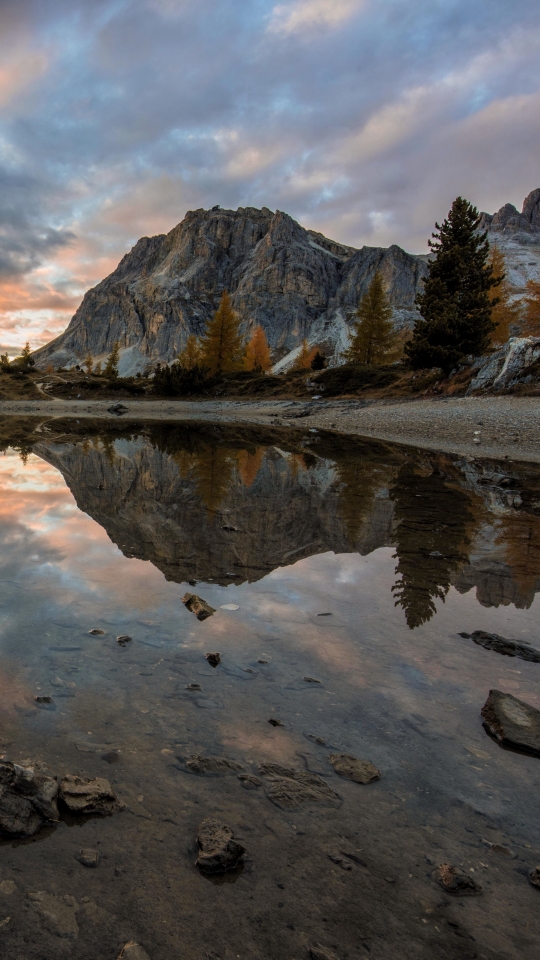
177 381
351 377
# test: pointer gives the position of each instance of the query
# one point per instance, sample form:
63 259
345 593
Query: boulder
513 722
27 797
289 789
361 771
81 795
218 850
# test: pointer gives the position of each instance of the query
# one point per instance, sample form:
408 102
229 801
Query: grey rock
218 850
361 771
508 648
27 797
289 789
59 914
508 366
198 606
133 951
213 766
513 722
86 796
88 858
456 882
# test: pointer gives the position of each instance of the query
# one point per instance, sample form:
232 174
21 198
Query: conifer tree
318 361
88 362
374 336
456 304
221 345
257 356
531 326
111 367
304 358
505 313
190 356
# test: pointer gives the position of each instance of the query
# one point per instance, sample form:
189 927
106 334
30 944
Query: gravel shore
471 426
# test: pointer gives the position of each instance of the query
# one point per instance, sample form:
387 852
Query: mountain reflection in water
230 504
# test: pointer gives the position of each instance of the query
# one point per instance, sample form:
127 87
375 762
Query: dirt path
488 426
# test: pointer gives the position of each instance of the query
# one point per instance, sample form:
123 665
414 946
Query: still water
356 564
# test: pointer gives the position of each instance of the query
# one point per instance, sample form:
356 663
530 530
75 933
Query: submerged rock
27 797
218 850
59 914
85 796
213 766
198 606
124 640
133 951
513 722
194 687
88 858
249 782
213 658
288 788
534 877
275 722
96 632
361 771
456 882
508 648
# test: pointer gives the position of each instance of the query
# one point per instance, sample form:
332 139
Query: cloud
307 15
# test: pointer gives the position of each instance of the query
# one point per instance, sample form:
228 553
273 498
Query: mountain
295 282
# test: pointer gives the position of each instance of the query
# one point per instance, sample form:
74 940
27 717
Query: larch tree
456 303
222 345
374 337
531 326
111 367
190 356
505 313
88 362
304 358
257 356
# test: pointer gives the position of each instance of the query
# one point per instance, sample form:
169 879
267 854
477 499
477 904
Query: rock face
294 282
516 362
518 237
27 798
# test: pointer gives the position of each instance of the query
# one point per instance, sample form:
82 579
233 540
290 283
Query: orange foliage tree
222 345
304 358
504 313
531 325
257 355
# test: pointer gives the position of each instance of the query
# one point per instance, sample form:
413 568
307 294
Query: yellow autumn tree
374 338
304 358
531 326
88 362
222 345
505 313
257 356
190 356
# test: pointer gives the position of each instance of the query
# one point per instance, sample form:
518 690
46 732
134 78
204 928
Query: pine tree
88 362
221 345
190 356
505 313
531 327
304 358
374 336
111 367
257 356
25 361
455 305
318 361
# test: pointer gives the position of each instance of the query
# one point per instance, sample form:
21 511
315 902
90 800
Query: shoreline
487 427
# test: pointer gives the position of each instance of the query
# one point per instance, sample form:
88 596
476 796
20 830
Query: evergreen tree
318 361
221 345
304 358
4 362
505 313
190 356
111 367
531 326
257 356
25 361
455 305
88 362
374 336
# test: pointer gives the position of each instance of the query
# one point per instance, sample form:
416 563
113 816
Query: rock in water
59 914
249 782
513 722
88 858
81 795
27 797
534 877
218 851
508 648
216 766
456 882
290 789
133 951
213 658
198 606
361 771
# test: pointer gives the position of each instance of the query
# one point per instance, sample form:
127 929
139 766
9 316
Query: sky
363 119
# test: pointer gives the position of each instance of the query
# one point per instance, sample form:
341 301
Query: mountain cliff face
292 281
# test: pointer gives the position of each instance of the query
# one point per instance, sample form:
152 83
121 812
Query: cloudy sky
360 118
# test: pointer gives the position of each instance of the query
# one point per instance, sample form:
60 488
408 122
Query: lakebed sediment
491 427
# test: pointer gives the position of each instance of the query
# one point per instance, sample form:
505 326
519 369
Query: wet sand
468 426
